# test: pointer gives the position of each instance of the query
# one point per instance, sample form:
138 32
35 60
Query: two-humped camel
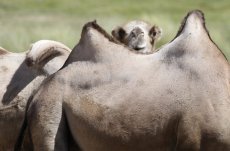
174 99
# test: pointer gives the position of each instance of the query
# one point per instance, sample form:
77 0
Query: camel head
138 35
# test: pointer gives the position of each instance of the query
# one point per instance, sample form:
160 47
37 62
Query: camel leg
188 135
47 126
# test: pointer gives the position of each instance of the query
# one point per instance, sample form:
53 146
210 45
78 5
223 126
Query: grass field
25 21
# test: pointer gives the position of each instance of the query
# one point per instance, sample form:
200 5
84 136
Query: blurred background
23 22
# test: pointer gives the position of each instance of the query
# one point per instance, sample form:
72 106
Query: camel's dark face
138 35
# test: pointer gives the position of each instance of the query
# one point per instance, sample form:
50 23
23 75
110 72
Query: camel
18 81
138 35
174 99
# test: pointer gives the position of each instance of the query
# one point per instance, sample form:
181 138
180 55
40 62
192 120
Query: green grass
25 21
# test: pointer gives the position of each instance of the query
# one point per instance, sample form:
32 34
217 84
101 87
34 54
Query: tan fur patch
3 51
4 68
95 110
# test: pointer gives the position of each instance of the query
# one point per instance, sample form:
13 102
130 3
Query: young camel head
138 35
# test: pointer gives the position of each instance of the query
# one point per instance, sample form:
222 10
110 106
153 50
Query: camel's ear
155 33
47 56
119 33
